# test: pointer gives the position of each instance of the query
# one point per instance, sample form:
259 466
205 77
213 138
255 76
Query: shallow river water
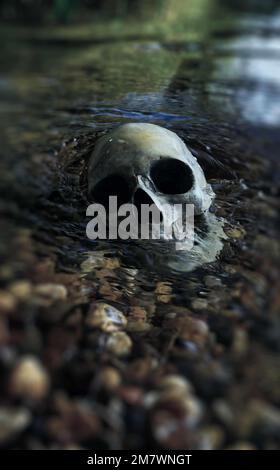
132 351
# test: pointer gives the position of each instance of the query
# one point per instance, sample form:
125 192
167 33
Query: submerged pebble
97 261
235 231
105 317
195 330
119 343
164 292
29 379
47 294
173 422
13 420
138 320
21 289
7 302
175 385
107 379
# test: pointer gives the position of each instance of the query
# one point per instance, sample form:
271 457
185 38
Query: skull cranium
152 159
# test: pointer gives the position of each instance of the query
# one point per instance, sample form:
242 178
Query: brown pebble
186 405
235 231
47 294
119 343
163 288
138 313
12 421
7 302
107 291
111 263
175 383
195 330
21 290
105 317
92 262
99 261
173 422
138 320
29 379
108 379
164 292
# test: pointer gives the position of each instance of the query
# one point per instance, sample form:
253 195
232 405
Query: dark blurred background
38 12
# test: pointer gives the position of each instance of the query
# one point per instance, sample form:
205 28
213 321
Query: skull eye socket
113 185
171 176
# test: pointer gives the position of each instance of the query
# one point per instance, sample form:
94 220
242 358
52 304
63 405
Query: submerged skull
149 160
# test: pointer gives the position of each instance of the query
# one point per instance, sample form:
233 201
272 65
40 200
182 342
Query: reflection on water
254 63
207 247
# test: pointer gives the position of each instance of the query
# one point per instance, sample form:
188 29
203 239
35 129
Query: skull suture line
151 158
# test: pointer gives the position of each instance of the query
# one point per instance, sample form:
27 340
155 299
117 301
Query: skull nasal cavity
113 185
171 176
140 197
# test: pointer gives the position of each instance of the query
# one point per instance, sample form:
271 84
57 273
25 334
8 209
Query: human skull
145 157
